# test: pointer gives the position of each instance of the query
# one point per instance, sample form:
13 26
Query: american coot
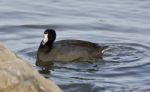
66 50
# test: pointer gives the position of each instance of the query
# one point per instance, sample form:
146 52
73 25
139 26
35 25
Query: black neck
47 45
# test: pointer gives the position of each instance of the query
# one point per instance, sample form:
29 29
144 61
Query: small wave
128 52
104 87
30 52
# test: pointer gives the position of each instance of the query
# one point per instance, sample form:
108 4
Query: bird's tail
104 48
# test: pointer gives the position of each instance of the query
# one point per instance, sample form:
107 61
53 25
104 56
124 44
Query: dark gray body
69 51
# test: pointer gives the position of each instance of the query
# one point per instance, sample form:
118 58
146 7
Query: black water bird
66 50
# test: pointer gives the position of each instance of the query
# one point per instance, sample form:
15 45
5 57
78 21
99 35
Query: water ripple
123 25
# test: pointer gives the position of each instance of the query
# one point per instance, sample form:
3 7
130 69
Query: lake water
123 25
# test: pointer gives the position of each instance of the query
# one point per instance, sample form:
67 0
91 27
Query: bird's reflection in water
46 70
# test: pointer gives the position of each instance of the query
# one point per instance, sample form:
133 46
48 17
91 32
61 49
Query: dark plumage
66 50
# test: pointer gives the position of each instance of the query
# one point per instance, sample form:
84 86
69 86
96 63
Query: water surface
122 25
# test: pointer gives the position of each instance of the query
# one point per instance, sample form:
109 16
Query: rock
18 76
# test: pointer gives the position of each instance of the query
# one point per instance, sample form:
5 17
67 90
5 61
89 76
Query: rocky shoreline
18 76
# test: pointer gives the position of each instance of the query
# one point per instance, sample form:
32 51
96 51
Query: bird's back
72 50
